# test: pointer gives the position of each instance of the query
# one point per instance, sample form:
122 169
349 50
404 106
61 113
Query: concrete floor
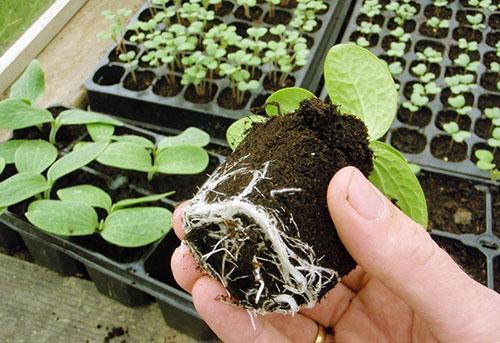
37 305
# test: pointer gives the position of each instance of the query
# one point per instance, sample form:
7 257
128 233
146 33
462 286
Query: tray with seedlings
89 195
206 63
445 56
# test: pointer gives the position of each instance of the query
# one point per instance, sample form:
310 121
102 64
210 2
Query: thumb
401 254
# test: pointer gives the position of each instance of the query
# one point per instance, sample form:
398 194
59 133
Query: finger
331 307
297 328
356 279
401 254
230 323
184 267
177 220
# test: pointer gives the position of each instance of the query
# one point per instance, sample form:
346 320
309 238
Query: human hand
405 288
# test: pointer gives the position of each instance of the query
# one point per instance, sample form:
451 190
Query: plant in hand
251 226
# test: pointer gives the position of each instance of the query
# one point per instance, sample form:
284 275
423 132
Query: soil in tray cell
489 81
488 101
275 81
114 55
444 148
226 99
492 38
139 80
437 11
443 117
428 31
372 38
421 118
279 17
455 51
408 26
191 95
494 21
483 127
224 9
461 16
472 261
255 13
408 140
166 88
108 75
454 204
484 146
468 33
65 135
426 43
490 57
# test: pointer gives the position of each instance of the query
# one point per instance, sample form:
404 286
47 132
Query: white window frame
35 39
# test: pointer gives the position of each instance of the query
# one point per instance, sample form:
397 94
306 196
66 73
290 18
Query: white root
299 271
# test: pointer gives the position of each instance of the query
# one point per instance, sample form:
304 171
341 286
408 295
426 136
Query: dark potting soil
408 26
108 75
489 81
163 87
376 19
445 148
155 265
387 40
280 17
444 117
289 4
446 94
468 33
115 332
493 38
472 261
488 101
115 53
305 149
490 57
142 81
226 100
461 16
485 146
408 140
455 51
421 118
224 9
454 204
255 13
371 38
494 21
425 43
437 11
429 31
483 127
192 96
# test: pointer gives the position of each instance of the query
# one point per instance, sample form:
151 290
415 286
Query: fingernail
179 211
184 248
364 198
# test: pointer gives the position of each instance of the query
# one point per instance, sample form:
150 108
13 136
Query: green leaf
126 155
75 160
361 85
20 187
86 194
35 156
238 130
136 227
286 100
485 165
394 178
2 165
65 218
190 136
2 210
17 114
132 202
184 159
31 85
100 132
79 117
8 149
137 140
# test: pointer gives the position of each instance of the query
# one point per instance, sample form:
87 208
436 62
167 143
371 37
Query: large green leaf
80 117
132 202
361 85
35 156
2 165
190 136
65 218
8 149
87 194
393 176
100 132
136 227
183 159
238 130
75 160
31 85
20 187
286 100
126 155
137 140
17 114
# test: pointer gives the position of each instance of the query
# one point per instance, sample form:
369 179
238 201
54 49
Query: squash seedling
483 4
403 11
467 46
457 135
460 83
272 7
435 23
247 4
131 63
116 28
282 271
238 75
464 61
458 104
476 21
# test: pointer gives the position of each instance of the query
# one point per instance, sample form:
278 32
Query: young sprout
423 73
115 30
436 23
494 140
362 41
396 49
165 16
429 55
369 28
458 104
495 67
467 46
238 75
401 35
195 72
247 4
403 11
131 62
493 113
272 7
456 134
395 68
485 4
420 96
440 3
460 83
484 160
464 61
476 21
371 8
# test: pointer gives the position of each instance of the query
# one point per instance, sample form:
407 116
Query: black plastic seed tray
419 140
107 93
133 277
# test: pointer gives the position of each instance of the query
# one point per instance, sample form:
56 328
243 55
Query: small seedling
429 55
467 46
457 135
436 23
401 35
440 3
396 49
403 11
272 7
494 140
484 4
484 160
117 27
395 68
460 83
423 73
371 8
476 21
131 63
458 104
247 4
465 62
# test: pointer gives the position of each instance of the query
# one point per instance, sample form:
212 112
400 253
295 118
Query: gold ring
321 335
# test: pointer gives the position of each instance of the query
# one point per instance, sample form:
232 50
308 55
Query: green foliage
31 85
436 23
467 46
237 132
17 114
454 131
476 21
464 61
362 85
460 83
286 100
8 149
393 177
485 159
34 156
20 187
87 194
2 165
430 55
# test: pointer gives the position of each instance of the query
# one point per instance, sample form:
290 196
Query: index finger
177 221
